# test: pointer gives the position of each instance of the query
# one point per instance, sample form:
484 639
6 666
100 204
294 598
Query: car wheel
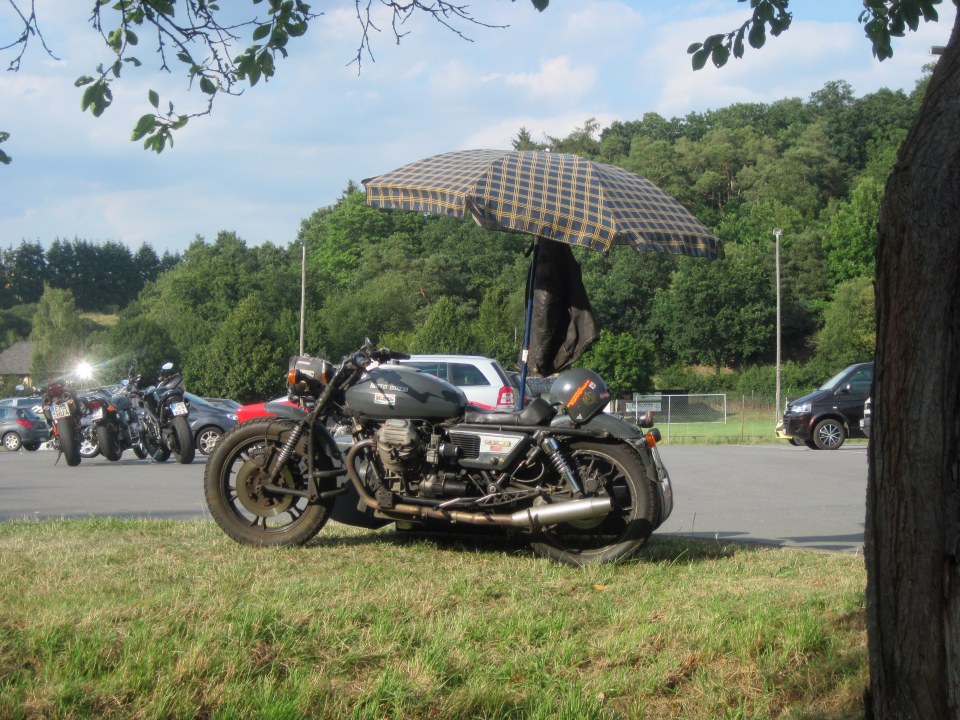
829 434
11 441
811 444
207 439
793 441
31 447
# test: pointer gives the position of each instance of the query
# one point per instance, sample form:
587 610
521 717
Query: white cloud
266 160
557 80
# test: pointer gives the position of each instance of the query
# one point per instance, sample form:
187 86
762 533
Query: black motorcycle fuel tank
395 391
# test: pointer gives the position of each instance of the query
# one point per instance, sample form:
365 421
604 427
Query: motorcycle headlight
801 408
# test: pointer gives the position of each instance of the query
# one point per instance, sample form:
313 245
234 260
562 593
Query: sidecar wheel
616 470
233 484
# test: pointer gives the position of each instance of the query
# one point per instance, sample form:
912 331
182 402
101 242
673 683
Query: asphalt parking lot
772 494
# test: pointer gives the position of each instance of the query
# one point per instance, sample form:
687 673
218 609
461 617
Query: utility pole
777 232
303 292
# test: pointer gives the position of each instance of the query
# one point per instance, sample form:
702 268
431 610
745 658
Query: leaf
145 124
261 32
758 35
131 37
154 98
720 56
693 48
82 80
700 58
207 86
540 5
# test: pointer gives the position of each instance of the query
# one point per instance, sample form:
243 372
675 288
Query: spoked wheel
829 434
234 482
89 445
207 439
615 470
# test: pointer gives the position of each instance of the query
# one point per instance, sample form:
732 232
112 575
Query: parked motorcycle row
143 414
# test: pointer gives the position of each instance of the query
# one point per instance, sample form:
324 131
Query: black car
208 422
824 419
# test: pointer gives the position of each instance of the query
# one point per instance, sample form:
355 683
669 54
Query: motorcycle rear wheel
108 442
69 442
184 449
233 479
618 472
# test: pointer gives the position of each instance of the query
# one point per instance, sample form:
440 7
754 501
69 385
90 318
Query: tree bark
912 538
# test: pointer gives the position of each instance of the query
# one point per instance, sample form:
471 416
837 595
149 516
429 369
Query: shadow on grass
658 549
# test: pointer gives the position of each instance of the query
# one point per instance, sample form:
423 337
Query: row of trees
229 313
103 277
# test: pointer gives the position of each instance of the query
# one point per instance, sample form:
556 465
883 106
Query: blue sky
265 161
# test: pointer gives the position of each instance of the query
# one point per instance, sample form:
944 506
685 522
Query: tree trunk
913 489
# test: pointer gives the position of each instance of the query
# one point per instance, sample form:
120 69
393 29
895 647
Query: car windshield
834 381
864 374
197 400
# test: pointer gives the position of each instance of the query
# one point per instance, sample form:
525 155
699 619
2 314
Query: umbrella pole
531 287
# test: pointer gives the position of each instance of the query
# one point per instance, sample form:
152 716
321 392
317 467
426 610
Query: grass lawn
163 619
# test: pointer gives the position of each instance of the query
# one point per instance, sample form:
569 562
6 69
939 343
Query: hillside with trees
815 168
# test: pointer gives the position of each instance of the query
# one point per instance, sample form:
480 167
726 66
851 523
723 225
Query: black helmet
582 392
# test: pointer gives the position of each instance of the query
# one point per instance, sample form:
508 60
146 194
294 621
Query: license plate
60 411
97 414
178 408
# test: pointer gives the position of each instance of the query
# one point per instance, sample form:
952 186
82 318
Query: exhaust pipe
534 517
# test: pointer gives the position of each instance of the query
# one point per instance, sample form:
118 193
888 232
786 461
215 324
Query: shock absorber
286 451
552 448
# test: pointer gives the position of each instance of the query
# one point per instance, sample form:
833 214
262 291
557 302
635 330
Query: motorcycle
580 485
162 412
110 426
63 409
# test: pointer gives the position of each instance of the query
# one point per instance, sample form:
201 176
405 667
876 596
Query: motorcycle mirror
167 366
19 388
125 382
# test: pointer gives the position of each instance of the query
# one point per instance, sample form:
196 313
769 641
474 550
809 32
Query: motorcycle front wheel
69 442
233 483
155 447
615 470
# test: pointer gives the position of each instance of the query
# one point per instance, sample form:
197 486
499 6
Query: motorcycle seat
538 412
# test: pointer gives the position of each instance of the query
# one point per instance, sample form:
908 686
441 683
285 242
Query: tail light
24 423
506 398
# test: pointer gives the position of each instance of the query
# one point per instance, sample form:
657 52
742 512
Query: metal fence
705 418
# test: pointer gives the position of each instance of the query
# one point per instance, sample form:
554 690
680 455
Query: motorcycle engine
399 446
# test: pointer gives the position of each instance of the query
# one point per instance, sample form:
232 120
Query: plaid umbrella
559 197
555 196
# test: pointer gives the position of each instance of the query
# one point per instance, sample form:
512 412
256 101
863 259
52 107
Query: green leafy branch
718 48
883 19
199 42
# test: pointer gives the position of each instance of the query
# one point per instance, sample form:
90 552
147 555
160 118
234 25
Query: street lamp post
777 232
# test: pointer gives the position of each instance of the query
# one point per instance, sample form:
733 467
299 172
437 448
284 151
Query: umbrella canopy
555 196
